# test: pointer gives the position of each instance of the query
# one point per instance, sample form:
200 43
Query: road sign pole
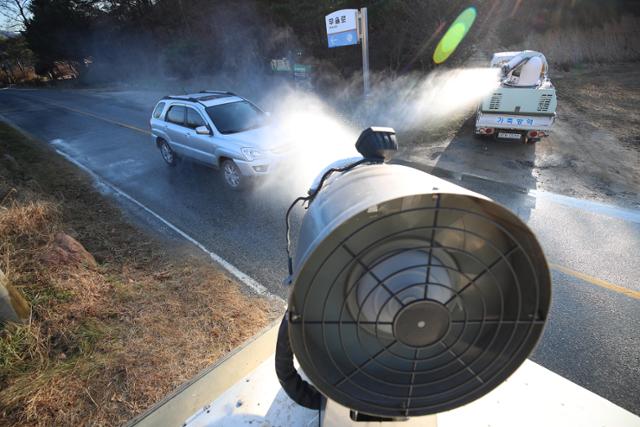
364 40
347 27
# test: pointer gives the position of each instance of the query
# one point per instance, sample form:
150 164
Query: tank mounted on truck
523 106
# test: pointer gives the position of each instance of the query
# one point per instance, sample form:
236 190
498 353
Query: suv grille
495 101
545 100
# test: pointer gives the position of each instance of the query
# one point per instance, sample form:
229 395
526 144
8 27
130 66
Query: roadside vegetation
118 317
164 41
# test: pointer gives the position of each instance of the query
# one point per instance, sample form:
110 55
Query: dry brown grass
32 219
611 43
105 343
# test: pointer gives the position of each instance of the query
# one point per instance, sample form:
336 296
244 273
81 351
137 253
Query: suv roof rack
214 94
218 92
181 98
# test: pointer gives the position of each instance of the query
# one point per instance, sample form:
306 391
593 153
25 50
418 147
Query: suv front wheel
232 176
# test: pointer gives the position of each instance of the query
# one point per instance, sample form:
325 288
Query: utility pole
364 41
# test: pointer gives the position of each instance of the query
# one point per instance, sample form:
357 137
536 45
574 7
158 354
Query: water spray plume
317 136
415 102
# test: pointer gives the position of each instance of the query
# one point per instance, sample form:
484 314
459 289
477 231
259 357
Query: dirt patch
594 150
604 97
119 318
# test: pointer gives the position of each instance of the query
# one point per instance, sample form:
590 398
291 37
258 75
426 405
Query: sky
7 24
3 23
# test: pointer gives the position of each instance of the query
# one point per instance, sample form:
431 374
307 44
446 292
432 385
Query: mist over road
592 336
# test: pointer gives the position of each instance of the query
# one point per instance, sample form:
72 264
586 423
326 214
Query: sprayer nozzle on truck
523 106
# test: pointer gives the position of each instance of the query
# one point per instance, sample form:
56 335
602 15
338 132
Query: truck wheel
232 176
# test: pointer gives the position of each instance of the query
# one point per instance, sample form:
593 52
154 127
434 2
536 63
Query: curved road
592 337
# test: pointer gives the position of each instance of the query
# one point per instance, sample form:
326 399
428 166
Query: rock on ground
67 250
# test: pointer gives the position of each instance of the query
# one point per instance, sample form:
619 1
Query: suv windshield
236 117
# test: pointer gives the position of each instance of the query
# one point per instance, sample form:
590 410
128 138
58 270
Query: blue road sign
344 38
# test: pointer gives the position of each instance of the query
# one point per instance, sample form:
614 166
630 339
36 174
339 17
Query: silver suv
219 129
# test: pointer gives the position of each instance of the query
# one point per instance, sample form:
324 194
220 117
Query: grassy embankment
106 339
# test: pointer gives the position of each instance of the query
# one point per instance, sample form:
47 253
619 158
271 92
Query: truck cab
523 106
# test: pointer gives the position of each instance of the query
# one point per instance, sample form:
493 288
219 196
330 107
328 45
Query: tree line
120 39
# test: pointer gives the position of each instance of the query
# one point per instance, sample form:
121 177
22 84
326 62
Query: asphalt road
592 337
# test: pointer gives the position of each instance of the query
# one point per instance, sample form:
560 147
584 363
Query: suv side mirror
203 130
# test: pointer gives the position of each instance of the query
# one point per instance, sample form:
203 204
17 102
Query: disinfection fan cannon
409 295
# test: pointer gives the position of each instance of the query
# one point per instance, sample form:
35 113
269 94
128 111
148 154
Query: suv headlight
251 154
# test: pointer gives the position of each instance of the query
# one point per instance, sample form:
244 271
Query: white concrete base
532 397
257 400
536 397
336 415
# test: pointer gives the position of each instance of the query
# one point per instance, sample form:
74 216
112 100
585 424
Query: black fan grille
491 321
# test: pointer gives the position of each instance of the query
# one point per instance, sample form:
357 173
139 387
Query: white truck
523 106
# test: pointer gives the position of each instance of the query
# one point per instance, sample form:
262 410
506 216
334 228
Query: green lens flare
454 35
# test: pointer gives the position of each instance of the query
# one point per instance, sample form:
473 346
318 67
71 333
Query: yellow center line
96 116
595 281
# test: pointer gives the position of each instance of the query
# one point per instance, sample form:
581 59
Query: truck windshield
236 117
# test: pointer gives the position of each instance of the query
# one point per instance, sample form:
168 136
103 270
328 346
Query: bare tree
15 13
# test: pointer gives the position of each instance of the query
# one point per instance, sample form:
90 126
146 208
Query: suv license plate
509 135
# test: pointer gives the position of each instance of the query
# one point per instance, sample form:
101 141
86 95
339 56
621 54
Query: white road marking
631 215
241 276
626 214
